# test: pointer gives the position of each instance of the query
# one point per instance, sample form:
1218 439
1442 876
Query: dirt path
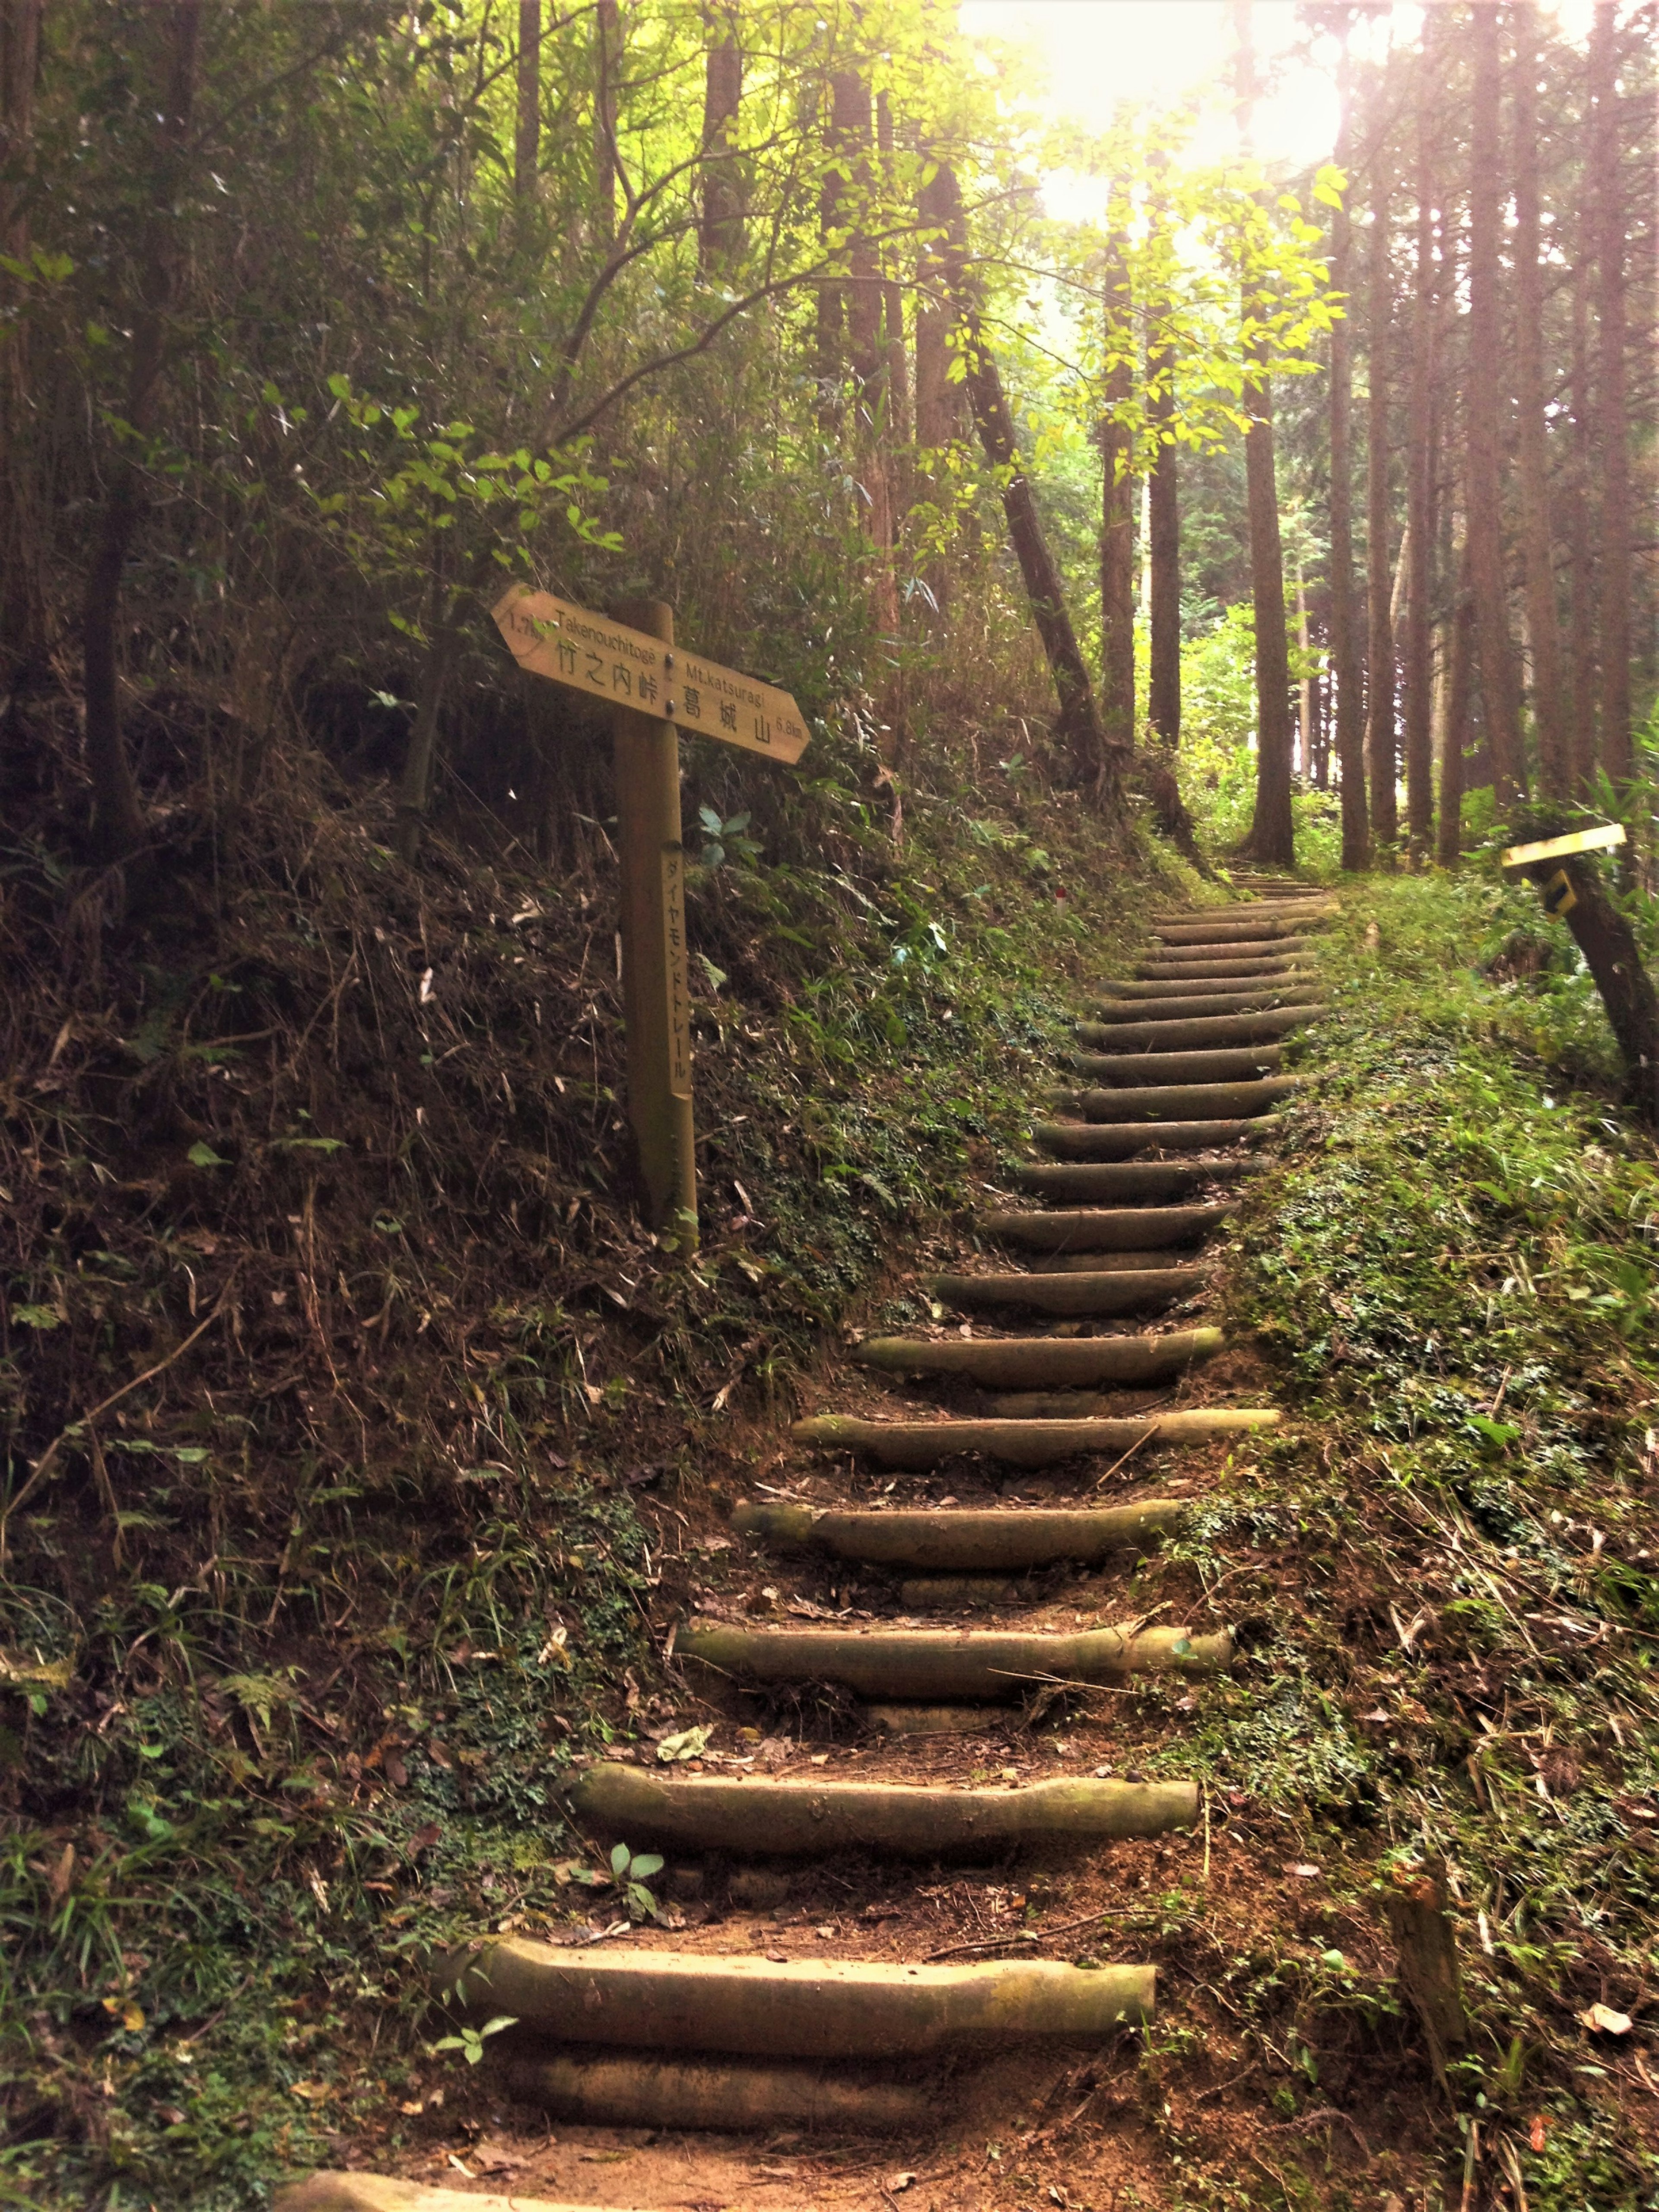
915 1850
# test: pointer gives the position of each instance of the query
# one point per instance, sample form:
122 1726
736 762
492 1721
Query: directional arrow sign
628 668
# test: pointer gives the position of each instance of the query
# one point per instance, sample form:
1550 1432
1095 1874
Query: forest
1198 566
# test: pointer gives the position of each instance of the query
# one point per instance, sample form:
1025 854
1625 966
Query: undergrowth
1444 1573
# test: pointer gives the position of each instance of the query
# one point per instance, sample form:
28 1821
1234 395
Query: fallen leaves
1602 2019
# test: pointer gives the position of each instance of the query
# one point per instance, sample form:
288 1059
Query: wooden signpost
629 660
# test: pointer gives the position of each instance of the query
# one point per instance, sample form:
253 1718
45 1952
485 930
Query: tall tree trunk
527 134
607 70
1380 738
1612 424
1453 734
119 826
1096 767
22 591
1163 550
1582 571
1117 535
1305 689
1272 829
849 101
1484 421
1346 673
1419 494
1543 627
896 362
866 357
720 217
939 401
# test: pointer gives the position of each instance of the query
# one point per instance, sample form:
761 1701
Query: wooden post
655 993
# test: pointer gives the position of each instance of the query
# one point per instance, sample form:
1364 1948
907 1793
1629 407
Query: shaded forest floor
303 1632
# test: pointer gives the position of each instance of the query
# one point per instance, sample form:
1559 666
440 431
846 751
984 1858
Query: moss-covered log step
1038 1362
1190 956
809 1820
915 1446
1179 974
1179 1102
1228 917
955 1665
965 1538
613 2092
1281 987
1111 1181
1103 1229
673 2001
1258 930
1112 1291
1146 1068
1121 1140
325 2191
1203 1005
1194 1033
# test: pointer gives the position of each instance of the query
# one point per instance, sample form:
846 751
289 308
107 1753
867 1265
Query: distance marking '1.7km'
627 668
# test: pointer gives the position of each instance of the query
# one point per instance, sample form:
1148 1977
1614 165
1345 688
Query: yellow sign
627 668
1559 896
1600 839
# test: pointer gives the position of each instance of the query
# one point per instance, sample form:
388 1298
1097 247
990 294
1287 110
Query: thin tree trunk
1543 629
527 136
1164 555
1117 536
1613 426
849 99
1380 739
895 359
867 359
1345 632
1305 694
720 223
1096 767
1419 496
22 591
607 69
1272 829
939 401
1581 471
1484 420
1453 734
119 826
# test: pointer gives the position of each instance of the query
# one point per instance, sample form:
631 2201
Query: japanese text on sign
625 667
679 1002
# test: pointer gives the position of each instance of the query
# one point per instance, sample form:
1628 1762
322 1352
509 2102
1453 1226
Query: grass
1445 1572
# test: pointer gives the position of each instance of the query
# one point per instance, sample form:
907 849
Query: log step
1176 957
1108 1263
1117 1141
1114 1229
609 2092
1167 1067
1251 910
1167 973
1116 1291
1282 986
677 2000
1084 1182
1179 1102
913 1446
1198 1005
1257 931
811 1820
328 2191
965 1538
1133 1032
993 1666
1043 1361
